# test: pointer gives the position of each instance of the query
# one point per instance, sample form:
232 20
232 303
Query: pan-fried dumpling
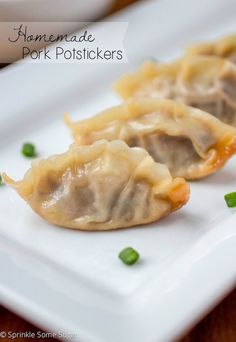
103 186
207 83
190 142
224 47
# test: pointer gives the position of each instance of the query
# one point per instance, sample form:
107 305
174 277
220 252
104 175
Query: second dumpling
192 143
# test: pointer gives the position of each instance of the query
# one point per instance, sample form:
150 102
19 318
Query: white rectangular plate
72 281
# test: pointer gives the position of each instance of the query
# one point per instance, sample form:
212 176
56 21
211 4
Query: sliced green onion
231 199
129 256
28 150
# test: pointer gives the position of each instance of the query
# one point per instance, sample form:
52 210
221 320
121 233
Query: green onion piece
129 256
1 180
28 150
231 199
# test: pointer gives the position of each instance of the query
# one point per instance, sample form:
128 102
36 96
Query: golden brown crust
178 192
225 149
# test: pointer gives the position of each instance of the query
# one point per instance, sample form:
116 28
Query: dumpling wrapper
103 186
207 83
224 47
190 142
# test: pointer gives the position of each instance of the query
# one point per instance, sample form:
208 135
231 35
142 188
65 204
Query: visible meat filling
178 153
227 85
78 197
220 109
